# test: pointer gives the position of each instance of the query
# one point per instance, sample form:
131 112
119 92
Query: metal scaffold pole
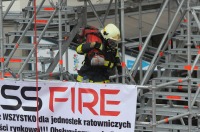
140 37
85 13
67 29
1 40
154 106
122 38
189 44
60 38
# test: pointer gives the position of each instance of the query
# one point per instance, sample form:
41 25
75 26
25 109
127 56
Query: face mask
112 43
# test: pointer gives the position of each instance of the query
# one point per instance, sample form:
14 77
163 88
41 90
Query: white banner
67 107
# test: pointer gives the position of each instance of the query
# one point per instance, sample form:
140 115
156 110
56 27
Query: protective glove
96 45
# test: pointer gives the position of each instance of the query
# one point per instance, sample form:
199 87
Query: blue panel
131 62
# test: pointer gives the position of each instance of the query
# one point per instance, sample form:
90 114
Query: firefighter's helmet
110 31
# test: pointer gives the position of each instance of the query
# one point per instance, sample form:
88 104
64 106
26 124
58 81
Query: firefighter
101 57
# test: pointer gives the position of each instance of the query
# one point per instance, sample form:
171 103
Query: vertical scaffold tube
122 39
189 64
154 105
1 40
140 36
60 39
85 13
36 59
67 29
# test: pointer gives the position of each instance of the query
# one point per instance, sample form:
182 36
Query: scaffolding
167 101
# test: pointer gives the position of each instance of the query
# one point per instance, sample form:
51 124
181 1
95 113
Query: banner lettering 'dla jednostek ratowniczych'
67 107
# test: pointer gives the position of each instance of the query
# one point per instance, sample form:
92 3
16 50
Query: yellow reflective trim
104 30
101 47
79 78
111 65
106 81
79 49
106 63
117 54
